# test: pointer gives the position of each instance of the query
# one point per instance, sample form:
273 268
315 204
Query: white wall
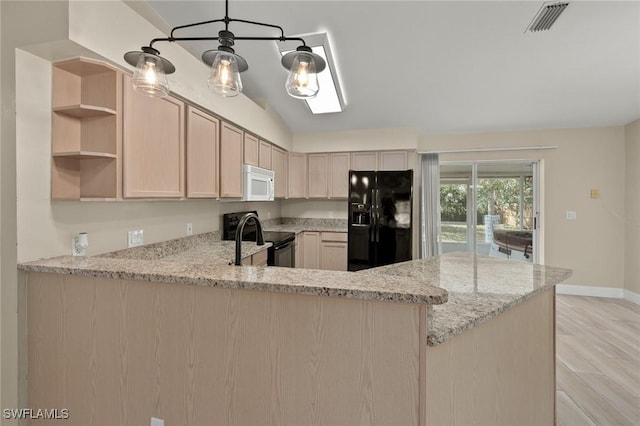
632 197
593 244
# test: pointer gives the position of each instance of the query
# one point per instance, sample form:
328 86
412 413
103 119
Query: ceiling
443 67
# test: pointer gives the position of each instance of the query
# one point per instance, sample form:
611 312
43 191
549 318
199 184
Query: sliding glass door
490 208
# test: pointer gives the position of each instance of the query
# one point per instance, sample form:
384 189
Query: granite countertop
203 248
479 287
465 289
284 280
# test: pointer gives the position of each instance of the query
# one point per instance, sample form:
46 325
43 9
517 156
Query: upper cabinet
86 130
279 167
318 169
251 150
203 154
380 160
231 142
365 160
153 144
339 163
297 180
264 155
393 160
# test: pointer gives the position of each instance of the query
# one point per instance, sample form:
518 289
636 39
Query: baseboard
584 290
632 297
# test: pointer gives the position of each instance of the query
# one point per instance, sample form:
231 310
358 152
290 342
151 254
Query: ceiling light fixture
151 69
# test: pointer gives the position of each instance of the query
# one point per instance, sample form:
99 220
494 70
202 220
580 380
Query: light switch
571 215
595 193
156 422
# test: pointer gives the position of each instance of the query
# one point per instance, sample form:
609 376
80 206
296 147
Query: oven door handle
281 247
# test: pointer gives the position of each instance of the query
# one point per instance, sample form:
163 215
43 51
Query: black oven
282 250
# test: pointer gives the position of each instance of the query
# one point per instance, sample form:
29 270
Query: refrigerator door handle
377 191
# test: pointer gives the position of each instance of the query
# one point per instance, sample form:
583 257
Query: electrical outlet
156 422
135 238
571 215
189 228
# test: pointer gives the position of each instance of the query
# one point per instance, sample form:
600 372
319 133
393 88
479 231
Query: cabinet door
333 256
203 154
297 175
393 160
264 156
299 250
251 148
231 141
339 175
279 167
153 145
364 160
311 254
318 171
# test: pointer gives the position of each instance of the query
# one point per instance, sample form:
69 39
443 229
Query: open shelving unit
86 141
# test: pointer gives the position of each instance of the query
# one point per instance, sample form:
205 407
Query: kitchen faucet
240 229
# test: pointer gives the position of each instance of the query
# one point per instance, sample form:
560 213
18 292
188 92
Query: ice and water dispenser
360 214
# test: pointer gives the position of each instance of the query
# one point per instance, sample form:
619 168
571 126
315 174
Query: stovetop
230 223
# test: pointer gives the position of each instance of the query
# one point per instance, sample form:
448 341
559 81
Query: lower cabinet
333 251
310 251
299 247
257 259
322 250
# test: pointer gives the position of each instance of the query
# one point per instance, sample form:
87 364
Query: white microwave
258 184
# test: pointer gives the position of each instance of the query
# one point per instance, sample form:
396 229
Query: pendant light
302 82
150 77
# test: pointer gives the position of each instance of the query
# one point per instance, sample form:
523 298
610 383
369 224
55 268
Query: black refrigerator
380 212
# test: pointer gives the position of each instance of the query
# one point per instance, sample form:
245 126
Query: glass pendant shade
225 77
302 82
149 78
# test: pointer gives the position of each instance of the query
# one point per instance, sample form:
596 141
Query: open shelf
84 111
79 155
86 133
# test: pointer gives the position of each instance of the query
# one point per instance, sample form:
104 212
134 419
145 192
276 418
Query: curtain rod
515 148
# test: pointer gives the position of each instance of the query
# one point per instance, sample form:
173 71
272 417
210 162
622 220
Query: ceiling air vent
547 16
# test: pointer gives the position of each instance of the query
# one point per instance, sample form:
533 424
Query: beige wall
45 227
632 196
356 140
326 209
593 244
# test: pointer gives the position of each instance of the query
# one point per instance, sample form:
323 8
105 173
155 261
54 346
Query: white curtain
430 206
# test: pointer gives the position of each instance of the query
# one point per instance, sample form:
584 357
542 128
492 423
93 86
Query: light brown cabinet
279 167
231 141
299 247
318 173
153 145
297 180
322 250
333 251
264 155
86 130
339 164
311 250
203 154
251 150
256 259
393 160
366 160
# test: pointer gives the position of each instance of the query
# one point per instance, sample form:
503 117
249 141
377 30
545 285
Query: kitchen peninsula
450 340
